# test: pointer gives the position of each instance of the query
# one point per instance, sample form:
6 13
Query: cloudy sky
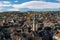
29 5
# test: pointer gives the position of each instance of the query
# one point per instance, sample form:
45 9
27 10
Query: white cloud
37 0
13 9
5 3
37 5
58 0
29 5
1 8
16 1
